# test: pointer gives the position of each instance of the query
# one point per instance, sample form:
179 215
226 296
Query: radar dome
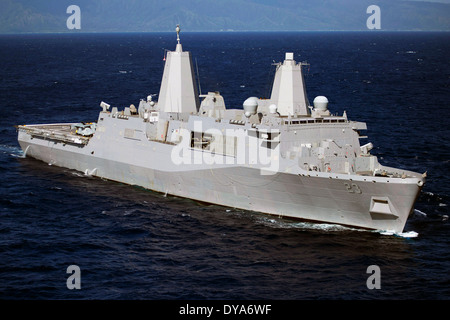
321 103
273 108
250 106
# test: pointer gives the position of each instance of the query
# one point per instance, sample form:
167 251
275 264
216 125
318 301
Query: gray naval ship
279 156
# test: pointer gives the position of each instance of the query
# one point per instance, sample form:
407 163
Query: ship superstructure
280 156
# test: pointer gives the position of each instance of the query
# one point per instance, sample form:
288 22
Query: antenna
270 79
178 33
198 77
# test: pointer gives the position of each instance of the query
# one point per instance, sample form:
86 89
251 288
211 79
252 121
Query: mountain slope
214 15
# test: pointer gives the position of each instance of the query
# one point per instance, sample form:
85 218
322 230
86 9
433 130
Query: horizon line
218 31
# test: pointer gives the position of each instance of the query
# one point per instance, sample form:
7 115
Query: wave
329 227
13 151
419 213
292 224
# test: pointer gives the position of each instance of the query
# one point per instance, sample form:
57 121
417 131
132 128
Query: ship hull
370 203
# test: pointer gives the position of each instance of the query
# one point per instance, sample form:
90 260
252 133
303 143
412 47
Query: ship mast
288 91
178 92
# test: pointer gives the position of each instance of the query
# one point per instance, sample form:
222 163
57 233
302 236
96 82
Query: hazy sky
443 1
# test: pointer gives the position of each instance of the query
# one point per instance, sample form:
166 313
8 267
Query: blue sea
134 244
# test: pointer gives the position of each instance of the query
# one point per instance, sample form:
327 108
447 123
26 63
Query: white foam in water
322 226
387 232
15 152
305 225
409 234
330 227
417 211
78 174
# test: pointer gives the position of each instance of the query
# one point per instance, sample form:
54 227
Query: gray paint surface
292 160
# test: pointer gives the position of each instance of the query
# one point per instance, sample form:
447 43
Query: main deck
61 132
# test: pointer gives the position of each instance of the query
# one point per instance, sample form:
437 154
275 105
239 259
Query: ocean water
131 243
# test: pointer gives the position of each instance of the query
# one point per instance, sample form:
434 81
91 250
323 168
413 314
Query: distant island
41 16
